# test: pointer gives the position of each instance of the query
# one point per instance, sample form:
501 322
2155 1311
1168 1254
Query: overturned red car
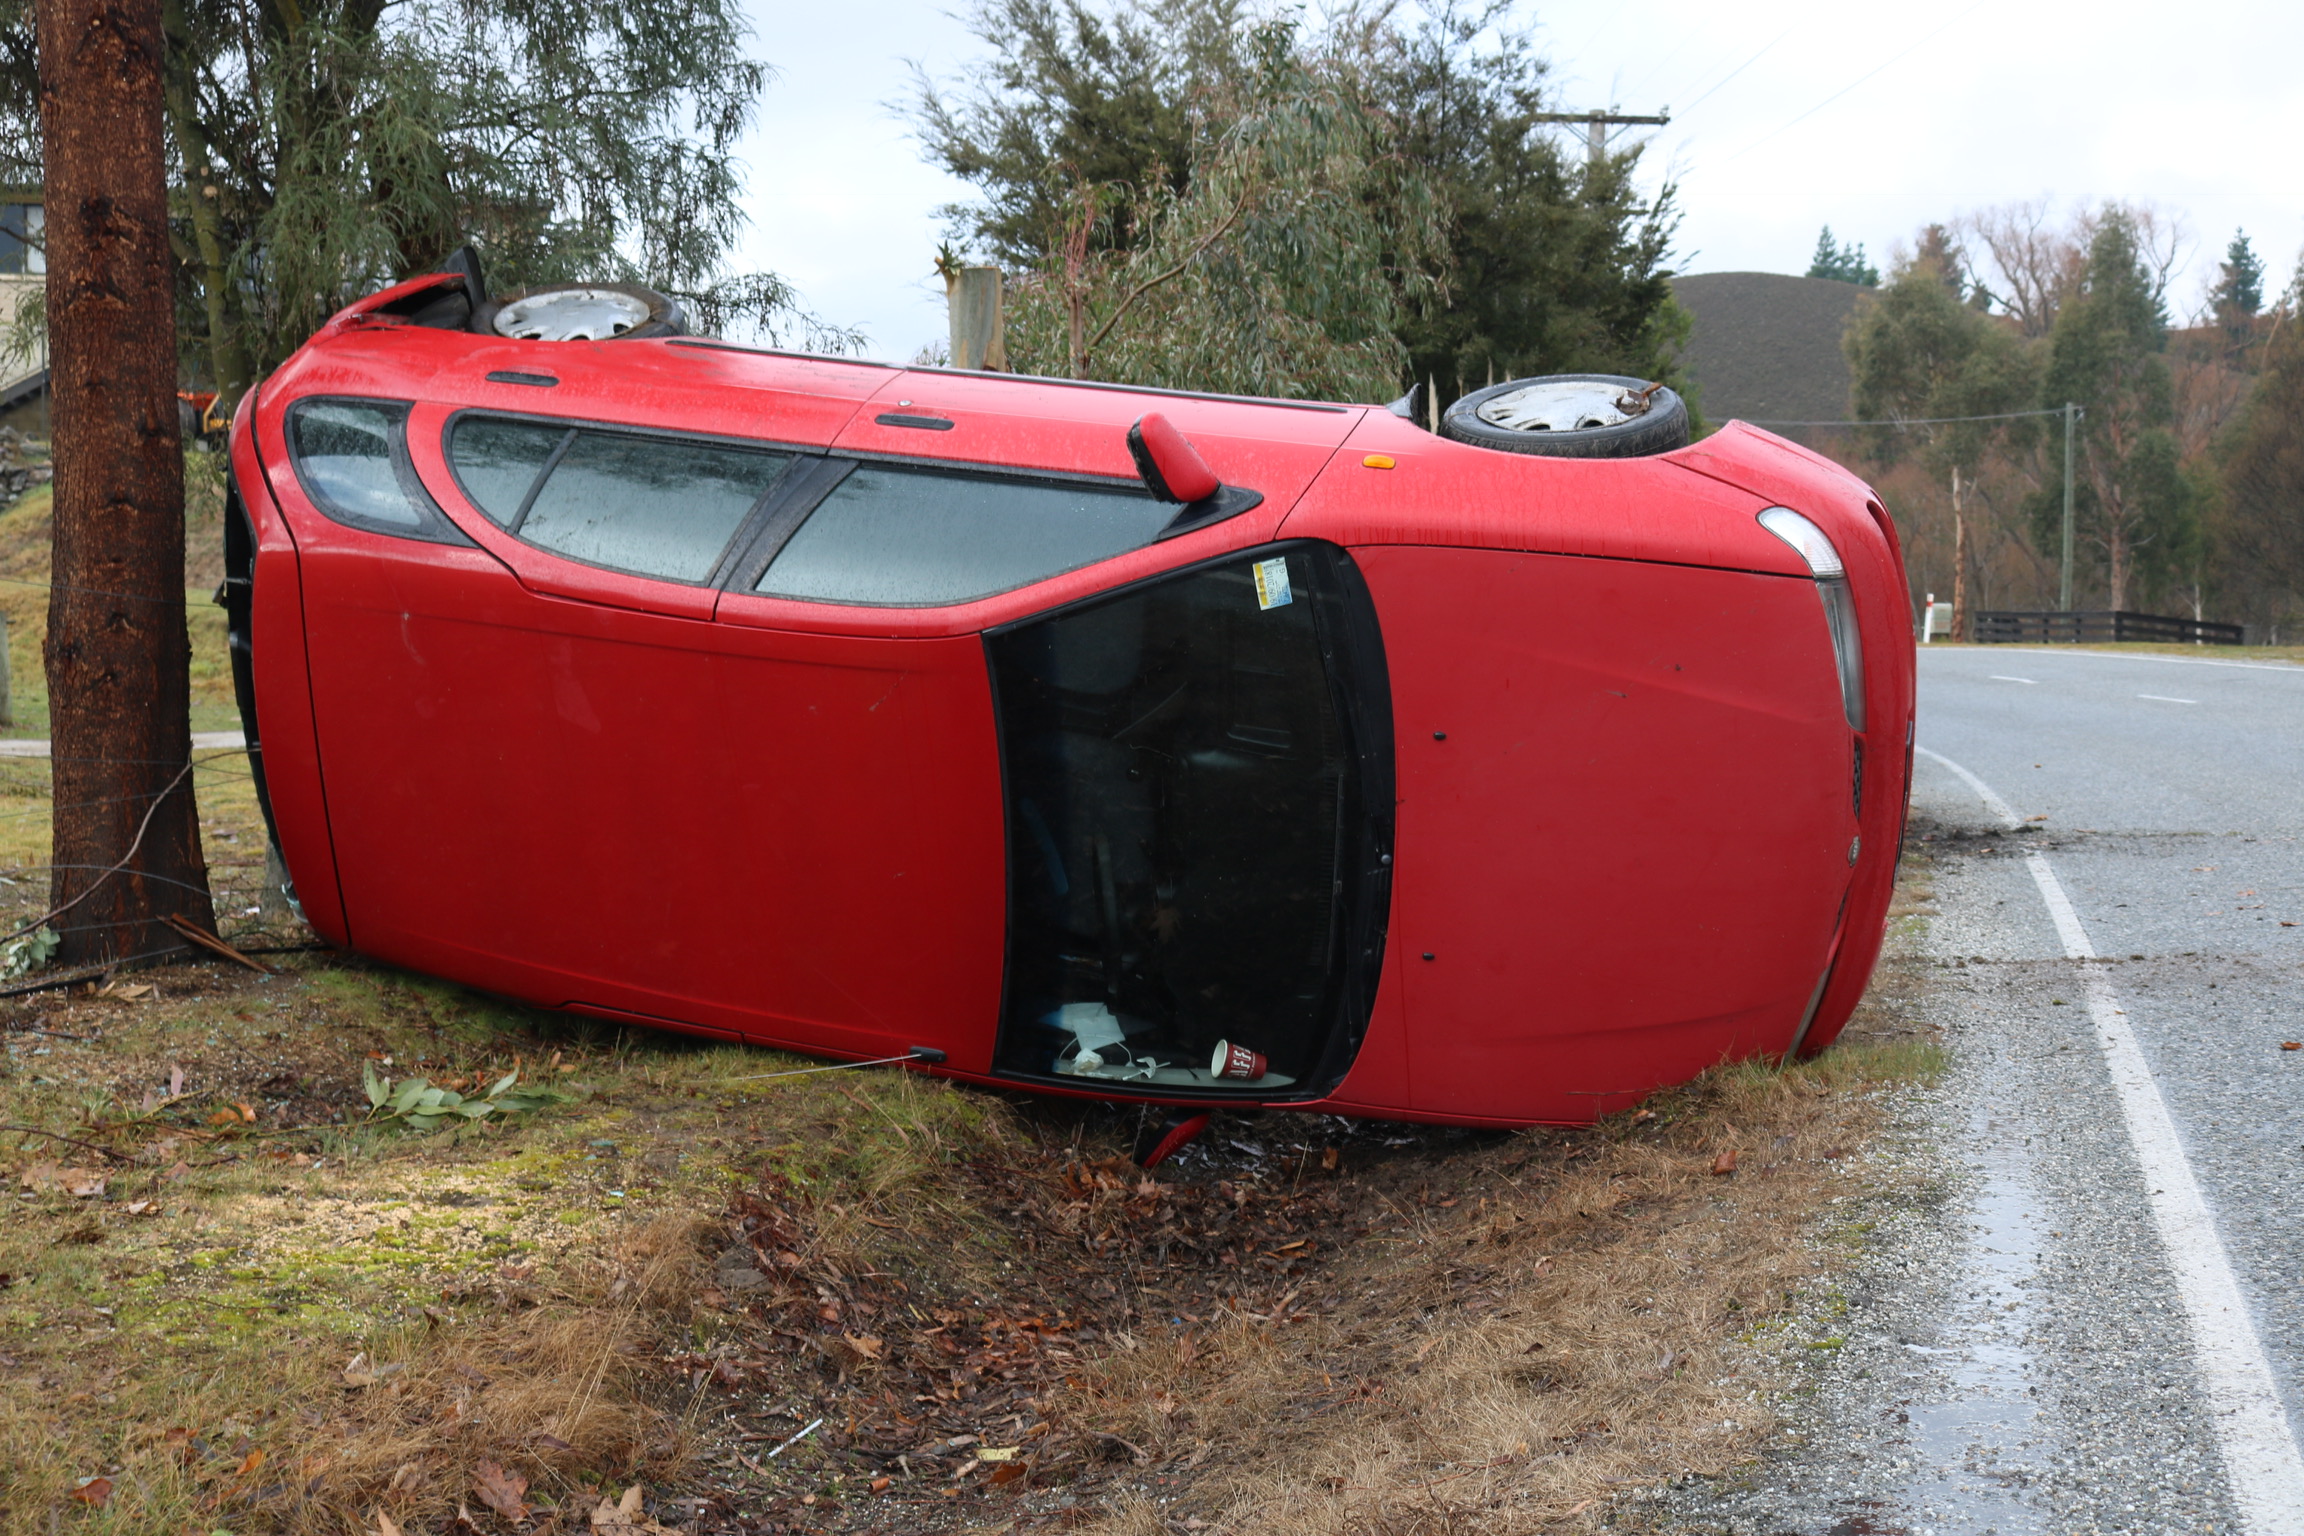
1095 740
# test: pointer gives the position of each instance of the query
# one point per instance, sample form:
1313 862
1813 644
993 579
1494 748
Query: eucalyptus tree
1283 267
1090 123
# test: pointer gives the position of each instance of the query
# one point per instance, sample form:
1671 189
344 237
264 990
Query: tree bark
127 835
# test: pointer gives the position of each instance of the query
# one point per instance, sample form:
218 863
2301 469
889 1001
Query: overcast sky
1787 115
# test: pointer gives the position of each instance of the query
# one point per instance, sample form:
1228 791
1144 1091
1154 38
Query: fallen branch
207 940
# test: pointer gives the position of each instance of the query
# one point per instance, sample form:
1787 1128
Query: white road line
1992 802
1999 678
2260 1456
2161 698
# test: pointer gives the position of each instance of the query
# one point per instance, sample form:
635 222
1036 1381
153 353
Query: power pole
2064 591
1959 562
1596 125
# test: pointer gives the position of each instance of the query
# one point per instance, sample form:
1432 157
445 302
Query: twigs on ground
70 1141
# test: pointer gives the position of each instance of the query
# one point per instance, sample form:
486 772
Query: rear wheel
1572 416
582 312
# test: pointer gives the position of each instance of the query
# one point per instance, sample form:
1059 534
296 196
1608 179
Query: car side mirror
1172 470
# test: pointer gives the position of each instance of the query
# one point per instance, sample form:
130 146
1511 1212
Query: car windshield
1182 796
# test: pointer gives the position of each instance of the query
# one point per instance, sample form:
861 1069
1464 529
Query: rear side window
351 457
657 506
654 506
497 461
897 537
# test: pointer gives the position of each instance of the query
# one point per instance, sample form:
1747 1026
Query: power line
1859 80
1906 421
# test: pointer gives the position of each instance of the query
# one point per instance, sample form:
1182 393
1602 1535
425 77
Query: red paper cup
1237 1061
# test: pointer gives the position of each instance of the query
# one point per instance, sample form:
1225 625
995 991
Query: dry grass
1590 1314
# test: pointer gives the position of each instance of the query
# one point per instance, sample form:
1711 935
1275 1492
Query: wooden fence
2052 628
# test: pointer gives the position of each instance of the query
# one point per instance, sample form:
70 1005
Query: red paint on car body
1618 786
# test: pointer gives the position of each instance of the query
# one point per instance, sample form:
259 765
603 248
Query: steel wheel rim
571 314
1558 405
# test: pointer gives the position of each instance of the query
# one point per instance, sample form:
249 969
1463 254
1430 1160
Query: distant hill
1766 347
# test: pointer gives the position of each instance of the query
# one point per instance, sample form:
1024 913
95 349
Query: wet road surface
2090 1320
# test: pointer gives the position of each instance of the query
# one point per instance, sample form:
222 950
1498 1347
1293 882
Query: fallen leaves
48 1178
2292 1045
95 1492
502 1491
625 1518
359 1373
1725 1163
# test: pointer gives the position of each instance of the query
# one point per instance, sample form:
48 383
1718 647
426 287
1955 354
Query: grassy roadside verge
856 1302
243 1309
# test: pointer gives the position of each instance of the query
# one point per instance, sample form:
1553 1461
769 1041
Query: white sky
1788 115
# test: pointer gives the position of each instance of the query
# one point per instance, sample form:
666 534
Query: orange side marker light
1378 461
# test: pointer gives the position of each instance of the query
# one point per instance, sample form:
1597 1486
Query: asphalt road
2039 1342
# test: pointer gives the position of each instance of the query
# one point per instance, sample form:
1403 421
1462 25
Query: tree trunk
227 357
127 836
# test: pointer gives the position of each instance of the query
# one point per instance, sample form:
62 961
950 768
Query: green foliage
1842 263
1075 95
323 148
1281 269
1554 265
26 954
1921 350
2239 292
2258 532
1202 198
419 1106
2106 352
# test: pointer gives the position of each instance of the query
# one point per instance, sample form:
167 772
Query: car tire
1566 415
581 312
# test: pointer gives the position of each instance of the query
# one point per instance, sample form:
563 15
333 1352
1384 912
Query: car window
651 505
497 460
898 537
352 461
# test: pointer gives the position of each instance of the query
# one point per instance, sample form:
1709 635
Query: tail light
1839 604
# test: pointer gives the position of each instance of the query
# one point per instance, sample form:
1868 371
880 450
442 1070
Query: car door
518 717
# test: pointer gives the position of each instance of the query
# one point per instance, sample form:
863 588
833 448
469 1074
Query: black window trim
436 528
1359 680
788 502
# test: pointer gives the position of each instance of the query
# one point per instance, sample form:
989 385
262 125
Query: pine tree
318 149
2239 292
2106 352
1842 263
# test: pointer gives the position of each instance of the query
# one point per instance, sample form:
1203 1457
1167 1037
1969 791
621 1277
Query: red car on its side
1068 736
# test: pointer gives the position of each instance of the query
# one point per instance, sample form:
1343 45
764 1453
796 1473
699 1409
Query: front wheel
1572 416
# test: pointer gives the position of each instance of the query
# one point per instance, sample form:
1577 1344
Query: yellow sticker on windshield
1272 583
